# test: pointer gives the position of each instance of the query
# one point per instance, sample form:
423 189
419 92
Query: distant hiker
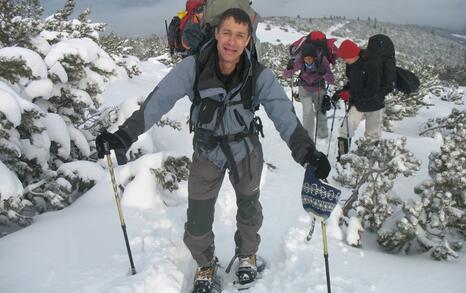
226 86
315 72
186 30
325 47
193 34
368 84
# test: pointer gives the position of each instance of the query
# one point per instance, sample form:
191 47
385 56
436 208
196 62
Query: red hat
348 49
317 35
191 4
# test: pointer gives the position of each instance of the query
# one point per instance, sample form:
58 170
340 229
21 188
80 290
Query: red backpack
326 46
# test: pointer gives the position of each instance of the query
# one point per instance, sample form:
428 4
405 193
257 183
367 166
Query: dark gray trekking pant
205 180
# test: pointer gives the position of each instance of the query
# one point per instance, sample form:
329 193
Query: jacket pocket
207 110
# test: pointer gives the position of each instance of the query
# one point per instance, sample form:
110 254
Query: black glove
326 104
319 161
290 64
118 141
336 97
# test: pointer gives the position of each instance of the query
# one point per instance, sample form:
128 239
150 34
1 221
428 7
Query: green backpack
214 8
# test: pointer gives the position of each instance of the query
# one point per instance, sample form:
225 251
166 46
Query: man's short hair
239 15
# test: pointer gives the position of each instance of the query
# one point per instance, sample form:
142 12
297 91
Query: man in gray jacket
225 85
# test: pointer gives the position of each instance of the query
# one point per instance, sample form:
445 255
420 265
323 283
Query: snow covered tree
50 86
19 21
370 170
59 27
437 221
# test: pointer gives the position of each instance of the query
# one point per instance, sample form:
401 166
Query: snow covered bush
399 106
437 221
370 171
51 80
174 171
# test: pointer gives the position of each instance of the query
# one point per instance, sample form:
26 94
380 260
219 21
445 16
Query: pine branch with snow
19 22
445 125
173 172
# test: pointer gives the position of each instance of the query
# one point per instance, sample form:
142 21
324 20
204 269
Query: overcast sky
144 17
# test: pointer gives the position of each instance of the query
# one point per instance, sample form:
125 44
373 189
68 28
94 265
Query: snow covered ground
81 248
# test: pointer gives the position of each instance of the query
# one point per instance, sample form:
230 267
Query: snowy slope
81 248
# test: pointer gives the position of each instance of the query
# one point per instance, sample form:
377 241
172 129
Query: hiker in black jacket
363 93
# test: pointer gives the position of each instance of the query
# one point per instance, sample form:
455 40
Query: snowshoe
249 269
206 279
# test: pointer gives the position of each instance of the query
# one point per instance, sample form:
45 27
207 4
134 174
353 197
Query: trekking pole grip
106 148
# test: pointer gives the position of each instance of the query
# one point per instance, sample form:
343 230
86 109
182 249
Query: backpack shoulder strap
248 92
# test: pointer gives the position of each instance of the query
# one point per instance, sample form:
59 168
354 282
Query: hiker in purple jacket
315 73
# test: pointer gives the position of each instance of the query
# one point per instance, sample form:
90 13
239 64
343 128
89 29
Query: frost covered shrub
370 171
399 106
437 221
174 171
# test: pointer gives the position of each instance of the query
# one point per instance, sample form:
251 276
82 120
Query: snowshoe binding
206 279
249 270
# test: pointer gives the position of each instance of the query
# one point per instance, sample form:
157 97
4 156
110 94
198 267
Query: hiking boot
205 278
247 270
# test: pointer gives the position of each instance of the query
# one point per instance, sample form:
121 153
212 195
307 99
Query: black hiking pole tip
117 200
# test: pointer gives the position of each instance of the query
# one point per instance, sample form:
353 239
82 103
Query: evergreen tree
60 27
19 21
55 88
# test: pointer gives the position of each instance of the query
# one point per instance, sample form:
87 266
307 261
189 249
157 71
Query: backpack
212 11
406 81
178 23
326 46
381 50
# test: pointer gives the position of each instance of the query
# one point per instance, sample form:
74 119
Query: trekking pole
168 41
327 270
117 200
317 111
331 129
347 125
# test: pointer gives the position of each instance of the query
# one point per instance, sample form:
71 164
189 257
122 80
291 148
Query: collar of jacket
209 70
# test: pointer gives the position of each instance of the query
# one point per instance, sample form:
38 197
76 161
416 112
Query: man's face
232 39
